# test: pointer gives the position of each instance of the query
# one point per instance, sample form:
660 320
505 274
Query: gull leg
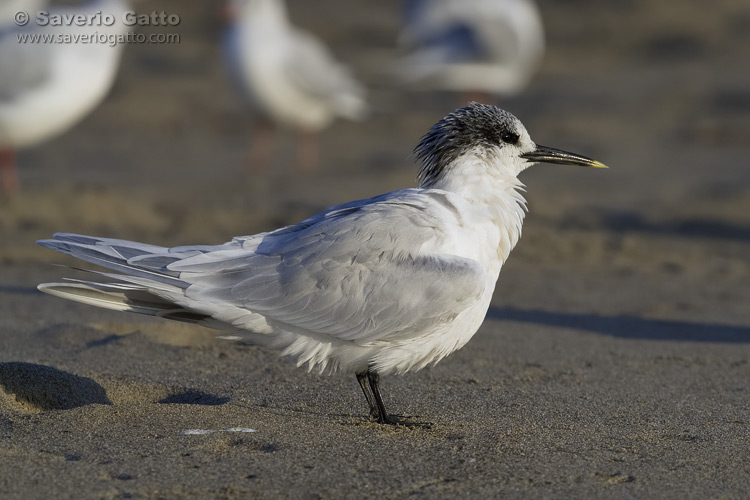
8 172
261 144
307 151
382 416
362 379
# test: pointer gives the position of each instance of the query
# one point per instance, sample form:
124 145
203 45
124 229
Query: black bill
552 155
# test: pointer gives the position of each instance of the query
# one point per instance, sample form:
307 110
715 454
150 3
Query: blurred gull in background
46 88
477 47
289 77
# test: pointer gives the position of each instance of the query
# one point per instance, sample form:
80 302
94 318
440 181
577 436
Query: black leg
362 379
382 416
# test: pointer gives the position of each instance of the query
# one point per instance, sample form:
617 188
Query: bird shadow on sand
194 397
32 388
346 419
627 327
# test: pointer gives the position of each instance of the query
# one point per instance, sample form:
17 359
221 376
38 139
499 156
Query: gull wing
313 69
354 272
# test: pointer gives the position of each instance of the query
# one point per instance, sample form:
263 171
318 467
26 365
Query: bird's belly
397 354
421 350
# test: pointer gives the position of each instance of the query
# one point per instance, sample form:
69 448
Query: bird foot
387 419
400 421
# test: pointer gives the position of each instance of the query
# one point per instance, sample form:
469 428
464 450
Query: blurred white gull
46 88
289 77
373 287
471 46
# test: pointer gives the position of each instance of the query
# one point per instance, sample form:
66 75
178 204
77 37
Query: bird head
489 136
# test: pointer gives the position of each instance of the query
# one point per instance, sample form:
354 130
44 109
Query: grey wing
353 276
312 67
23 66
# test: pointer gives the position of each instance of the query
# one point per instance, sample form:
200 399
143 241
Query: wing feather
350 274
313 68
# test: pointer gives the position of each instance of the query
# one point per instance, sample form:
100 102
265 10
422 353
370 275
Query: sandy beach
614 361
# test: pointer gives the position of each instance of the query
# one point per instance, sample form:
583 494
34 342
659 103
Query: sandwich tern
373 287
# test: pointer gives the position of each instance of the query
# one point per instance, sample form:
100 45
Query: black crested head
473 126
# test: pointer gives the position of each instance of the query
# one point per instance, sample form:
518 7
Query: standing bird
476 47
373 287
47 85
289 77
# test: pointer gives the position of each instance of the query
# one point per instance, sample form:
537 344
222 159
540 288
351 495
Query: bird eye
509 138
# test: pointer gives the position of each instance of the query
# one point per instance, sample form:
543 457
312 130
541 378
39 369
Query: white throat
495 197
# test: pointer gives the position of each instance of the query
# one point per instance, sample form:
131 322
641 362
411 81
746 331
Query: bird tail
124 297
128 257
352 106
146 285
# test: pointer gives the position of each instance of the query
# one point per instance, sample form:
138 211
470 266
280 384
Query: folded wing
355 272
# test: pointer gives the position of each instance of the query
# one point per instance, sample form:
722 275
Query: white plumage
379 286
